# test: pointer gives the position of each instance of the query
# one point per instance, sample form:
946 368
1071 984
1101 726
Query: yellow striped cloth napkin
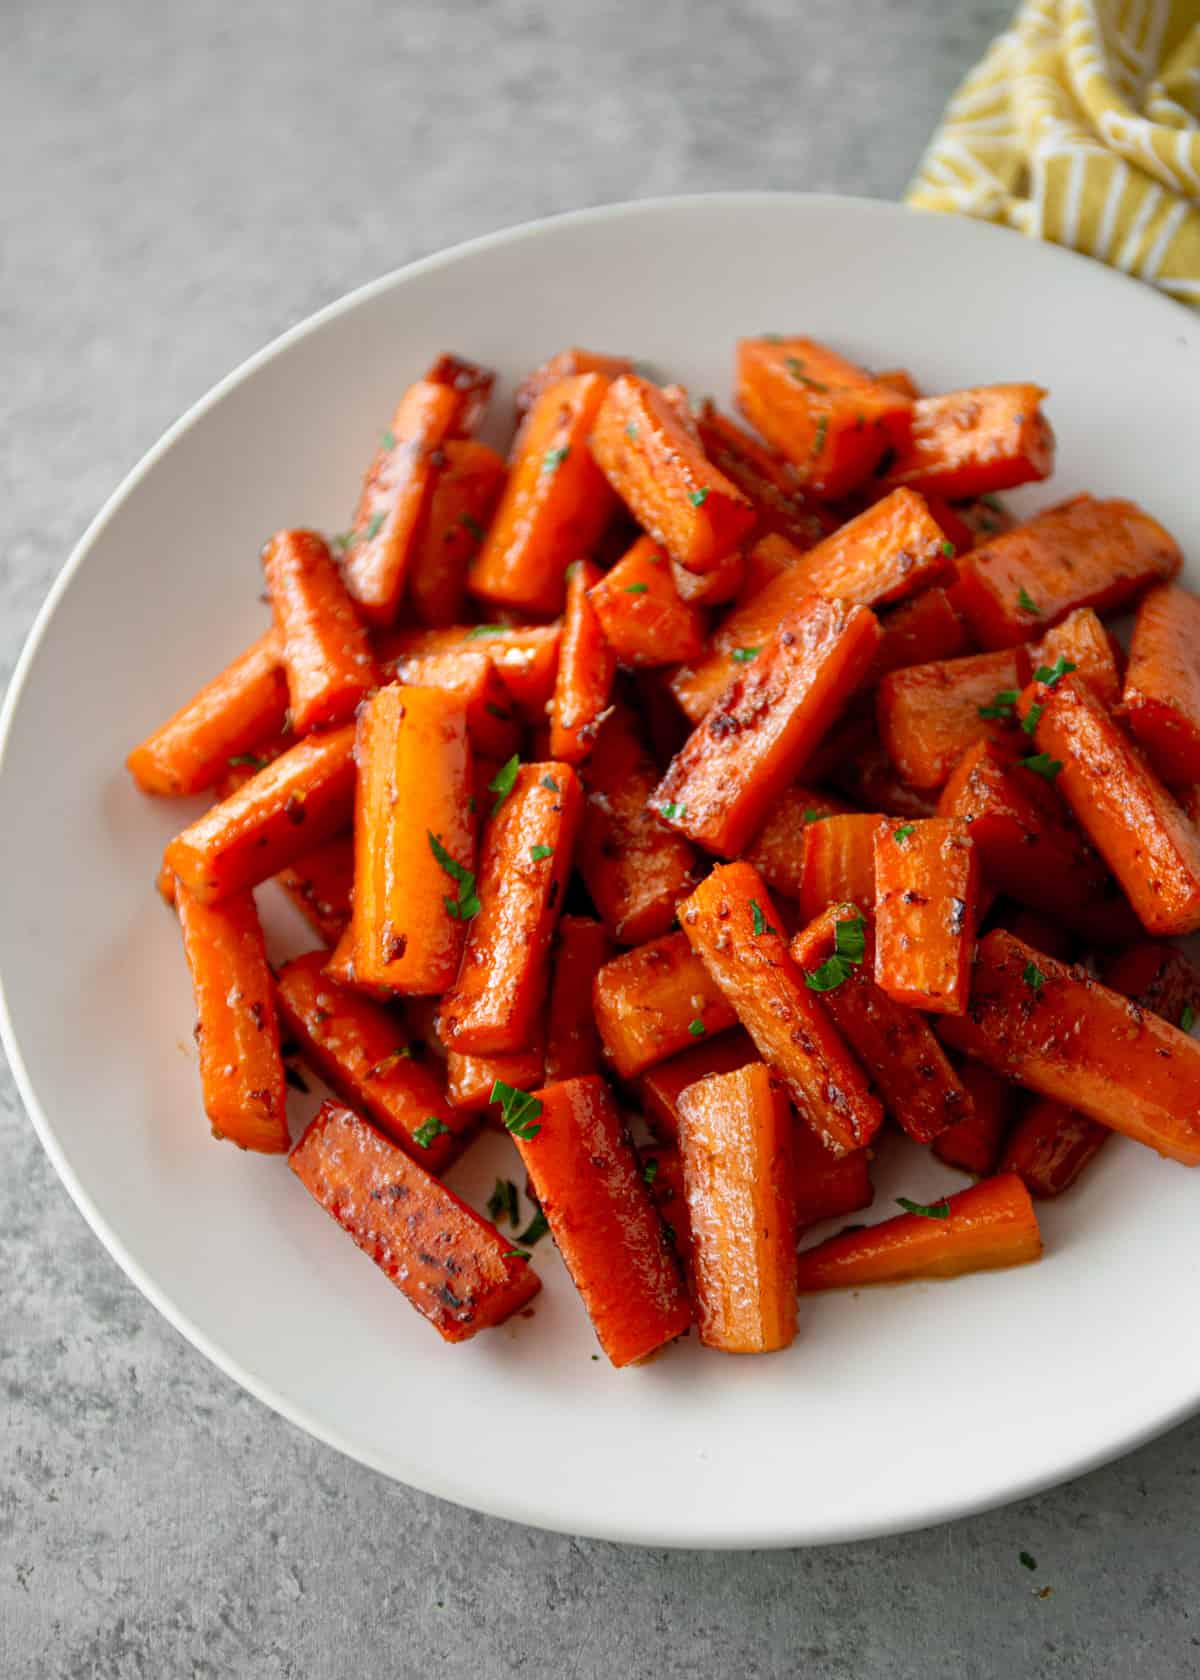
1082 126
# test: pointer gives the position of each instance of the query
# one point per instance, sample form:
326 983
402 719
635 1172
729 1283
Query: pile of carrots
765 789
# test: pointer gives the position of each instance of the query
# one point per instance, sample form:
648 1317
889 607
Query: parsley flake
698 498
554 458
948 549
388 440
1001 705
478 630
428 1130
519 1109
538 853
536 1228
1026 603
516 1254
466 904
938 1210
470 523
849 948
1049 674
503 1201
502 782
818 443
631 431
549 782
1031 719
900 835
374 526
1187 1018
761 924
1043 765
697 1028
383 1068
1033 978
1027 1560
650 1170
636 588
811 816
252 761
673 811
744 655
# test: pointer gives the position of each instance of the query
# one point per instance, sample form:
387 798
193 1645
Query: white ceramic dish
895 1408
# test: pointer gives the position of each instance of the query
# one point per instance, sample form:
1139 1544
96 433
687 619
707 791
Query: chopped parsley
796 368
537 1227
1027 603
1027 1560
497 712
697 1028
948 549
478 630
388 440
631 431
937 1210
374 526
636 588
1043 765
503 781
761 924
672 810
516 1254
428 1130
538 853
502 1203
1031 719
549 782
1033 978
469 522
520 1110
993 502
819 435
650 1170
1049 674
466 904
252 761
381 1069
1187 1018
1001 705
900 835
744 655
554 458
811 816
698 498
849 947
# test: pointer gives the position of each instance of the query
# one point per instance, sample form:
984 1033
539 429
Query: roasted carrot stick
1083 642
711 589
428 659
341 968
918 632
833 421
779 849
586 668
641 615
835 862
361 1051
654 461
1038 930
588 1184
555 505
735 1139
734 928
470 1080
414 840
1158 977
302 799
655 1001
524 658
1050 1145
926 912
319 885
930 714
968 443
572 1042
722 783
973 1143
661 1086
227 718
455 1268
461 505
895 1045
764 478
1085 553
992 1224
567 364
326 654
241 1069
635 869
827 1185
1162 686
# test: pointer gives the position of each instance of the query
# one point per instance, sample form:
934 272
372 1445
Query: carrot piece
983 518
303 798
455 1268
735 1138
1162 685
425 659
566 364
635 869
918 632
414 840
733 926
662 1172
857 763
461 504
1050 1146
930 714
764 478
572 1041
988 1225
722 783
1157 977
586 1178
341 969
319 885
973 1143
470 1080
1038 930
586 668
641 615
827 1185
1131 819
1084 553
326 654
969 443
895 1045
834 423
898 379
241 1069
1082 641
555 505
230 715
654 1001
524 657
835 861
779 849
243 766
360 1051
926 913
661 1086
713 588
654 461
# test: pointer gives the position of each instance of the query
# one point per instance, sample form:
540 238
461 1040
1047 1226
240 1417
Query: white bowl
895 1408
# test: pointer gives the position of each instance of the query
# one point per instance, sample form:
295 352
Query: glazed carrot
894 1045
661 1086
634 868
890 551
228 717
319 885
662 1172
1063 1035
926 913
360 1051
1131 819
1050 1146
525 864
1082 641
1038 930
992 1224
586 1178
735 1139
733 926
930 714
655 1001
836 861
341 968
470 1080
1162 685
586 668
973 1143
237 1035
641 615
572 1042
764 478
302 799
454 1268
524 657
429 659
555 504
414 840
779 849
243 766
918 632
722 783
1158 977
1085 553
898 379
860 768
326 654
567 364
834 423
968 443
983 517
461 504
826 1185
654 461
713 588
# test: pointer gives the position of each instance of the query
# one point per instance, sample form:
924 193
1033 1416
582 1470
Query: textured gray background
179 183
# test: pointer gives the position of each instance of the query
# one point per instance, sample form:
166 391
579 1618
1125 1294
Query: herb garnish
516 1254
503 1200
388 440
938 1210
1043 765
520 1110
385 1067
1049 674
900 835
811 816
252 761
539 852
502 782
698 498
1026 603
1187 1018
537 1227
849 947
650 1170
1033 978
374 526
631 431
636 588
428 1130
761 924
697 1028
549 782
1002 704
554 458
466 904
948 549
470 523
744 655
1027 1560
822 428
478 630
1031 719
672 810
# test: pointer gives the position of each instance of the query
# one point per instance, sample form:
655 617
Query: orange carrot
1082 641
587 1181
969 443
243 766
359 1049
654 461
978 520
764 478
319 885
1050 1146
555 505
1158 977
710 589
655 1001
660 1087
572 1042
1084 553
429 659
833 421
241 1069
461 505
414 840
1162 687
898 379
471 1079
455 1268
973 1143
567 364
226 719
722 783
930 714
918 632
326 654
826 1185
302 799
990 1225
1037 930
926 913
524 657
641 615
835 861
735 1139
733 926
586 668
341 968
779 849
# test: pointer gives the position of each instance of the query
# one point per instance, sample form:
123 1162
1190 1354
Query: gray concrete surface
180 182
